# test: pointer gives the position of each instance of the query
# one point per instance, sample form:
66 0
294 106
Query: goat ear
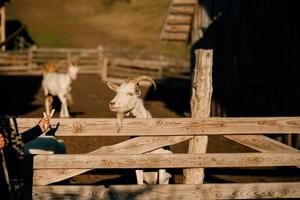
112 86
138 90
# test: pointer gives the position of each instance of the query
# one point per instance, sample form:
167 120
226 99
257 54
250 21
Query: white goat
127 101
59 84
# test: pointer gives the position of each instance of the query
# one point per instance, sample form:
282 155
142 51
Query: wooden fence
91 61
30 62
159 132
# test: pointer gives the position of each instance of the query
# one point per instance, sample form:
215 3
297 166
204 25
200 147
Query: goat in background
59 84
127 101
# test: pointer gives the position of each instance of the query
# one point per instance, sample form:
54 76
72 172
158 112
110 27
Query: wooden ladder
179 21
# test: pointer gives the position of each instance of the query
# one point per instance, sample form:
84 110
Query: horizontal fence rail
178 191
92 61
126 161
159 132
170 126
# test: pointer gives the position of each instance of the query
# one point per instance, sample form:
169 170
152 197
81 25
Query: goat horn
112 86
143 77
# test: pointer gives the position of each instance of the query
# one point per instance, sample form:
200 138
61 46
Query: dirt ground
91 97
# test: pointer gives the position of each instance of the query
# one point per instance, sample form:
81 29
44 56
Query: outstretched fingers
45 121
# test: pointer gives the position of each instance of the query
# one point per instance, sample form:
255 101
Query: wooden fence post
196 32
69 57
200 108
30 58
2 25
102 63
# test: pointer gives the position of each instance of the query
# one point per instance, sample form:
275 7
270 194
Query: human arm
37 130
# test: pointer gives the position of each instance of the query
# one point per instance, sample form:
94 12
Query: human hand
44 123
2 142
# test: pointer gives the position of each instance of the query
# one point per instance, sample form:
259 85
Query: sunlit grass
81 23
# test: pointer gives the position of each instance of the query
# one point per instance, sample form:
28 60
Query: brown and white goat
128 101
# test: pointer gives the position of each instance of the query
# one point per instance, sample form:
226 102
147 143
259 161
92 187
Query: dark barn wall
17 94
256 59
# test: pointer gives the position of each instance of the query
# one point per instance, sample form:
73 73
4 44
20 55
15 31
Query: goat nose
112 103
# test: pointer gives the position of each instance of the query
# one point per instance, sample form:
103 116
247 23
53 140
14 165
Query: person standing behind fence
11 146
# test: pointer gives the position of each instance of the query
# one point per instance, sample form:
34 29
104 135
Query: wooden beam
151 64
170 126
187 10
167 192
136 145
2 25
200 108
132 161
196 32
184 2
175 36
262 143
179 19
178 28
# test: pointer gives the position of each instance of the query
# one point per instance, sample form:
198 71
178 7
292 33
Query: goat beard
120 116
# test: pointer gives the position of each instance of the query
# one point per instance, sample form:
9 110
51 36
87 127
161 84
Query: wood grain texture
186 10
170 126
167 192
262 143
216 160
136 145
200 107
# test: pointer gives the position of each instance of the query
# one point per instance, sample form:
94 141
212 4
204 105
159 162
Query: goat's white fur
59 84
45 145
128 101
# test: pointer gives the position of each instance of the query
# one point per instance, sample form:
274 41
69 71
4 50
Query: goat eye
130 93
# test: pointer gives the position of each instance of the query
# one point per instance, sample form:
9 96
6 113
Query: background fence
92 61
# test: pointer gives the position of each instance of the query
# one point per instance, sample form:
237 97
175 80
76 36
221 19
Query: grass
110 23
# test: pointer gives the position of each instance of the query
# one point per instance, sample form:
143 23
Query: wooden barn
255 51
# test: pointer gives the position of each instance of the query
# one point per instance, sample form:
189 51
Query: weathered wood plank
262 143
183 2
123 69
167 192
175 36
178 28
179 19
170 126
44 49
136 145
13 68
200 108
151 64
130 161
188 9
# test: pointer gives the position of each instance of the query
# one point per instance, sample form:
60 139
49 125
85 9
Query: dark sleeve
31 134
